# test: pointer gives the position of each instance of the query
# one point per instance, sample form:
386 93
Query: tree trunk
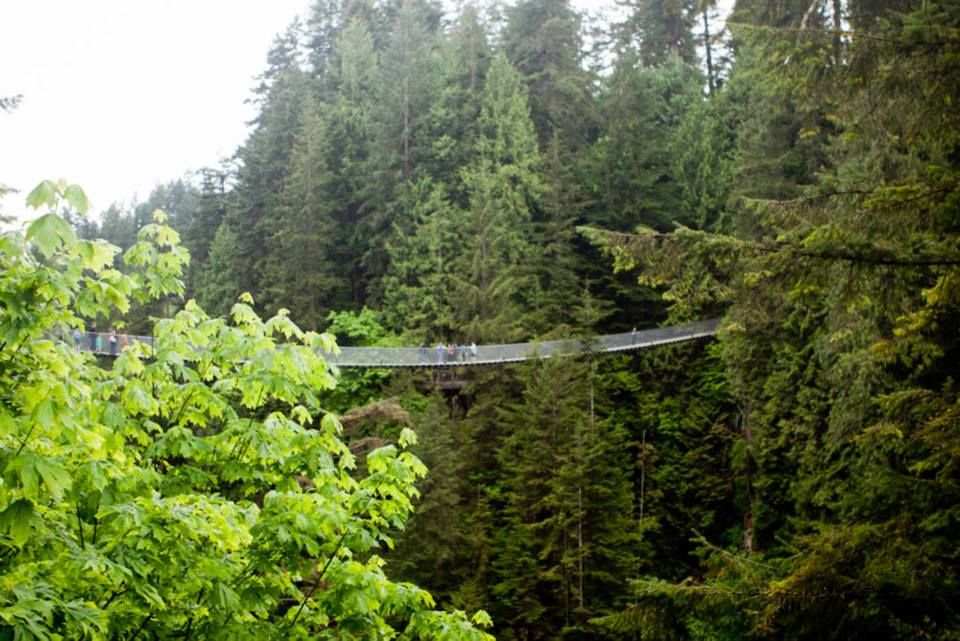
748 536
711 80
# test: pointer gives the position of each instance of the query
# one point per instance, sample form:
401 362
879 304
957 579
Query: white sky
123 95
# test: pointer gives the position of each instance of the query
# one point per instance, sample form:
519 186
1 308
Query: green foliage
568 541
420 291
193 488
543 41
633 160
703 161
661 31
840 340
797 481
433 550
358 387
501 186
405 91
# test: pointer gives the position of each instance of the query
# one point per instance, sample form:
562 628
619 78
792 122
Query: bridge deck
389 357
515 352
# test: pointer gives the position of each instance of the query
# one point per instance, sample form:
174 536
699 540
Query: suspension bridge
440 356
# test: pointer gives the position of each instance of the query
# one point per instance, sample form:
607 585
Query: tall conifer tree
348 121
542 40
406 92
502 184
265 165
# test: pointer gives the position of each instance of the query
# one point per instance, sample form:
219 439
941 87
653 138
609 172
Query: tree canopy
194 489
425 173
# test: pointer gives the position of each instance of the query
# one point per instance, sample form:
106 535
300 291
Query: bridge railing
493 354
426 356
100 343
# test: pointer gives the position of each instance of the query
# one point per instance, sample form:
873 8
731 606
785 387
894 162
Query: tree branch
316 582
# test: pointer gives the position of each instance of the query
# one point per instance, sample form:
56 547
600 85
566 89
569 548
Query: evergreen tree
265 164
840 343
560 275
348 121
563 550
661 31
464 62
542 40
633 164
434 546
219 284
501 185
406 91
116 226
299 270
420 296
201 228
703 160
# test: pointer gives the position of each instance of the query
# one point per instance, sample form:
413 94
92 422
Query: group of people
100 343
451 353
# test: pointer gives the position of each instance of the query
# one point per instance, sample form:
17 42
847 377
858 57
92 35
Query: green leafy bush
195 489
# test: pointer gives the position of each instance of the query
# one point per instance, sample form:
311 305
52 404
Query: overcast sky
122 95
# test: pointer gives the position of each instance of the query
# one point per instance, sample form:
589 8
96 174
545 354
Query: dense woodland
507 173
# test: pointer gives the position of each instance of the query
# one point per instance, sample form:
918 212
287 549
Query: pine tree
298 270
348 121
542 40
265 165
501 185
661 31
406 92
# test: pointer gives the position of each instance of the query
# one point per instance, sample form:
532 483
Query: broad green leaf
43 195
17 521
226 597
48 232
55 477
76 198
26 470
481 618
407 437
96 254
139 480
10 244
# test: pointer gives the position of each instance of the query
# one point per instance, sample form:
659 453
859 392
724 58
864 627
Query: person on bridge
113 341
440 351
92 336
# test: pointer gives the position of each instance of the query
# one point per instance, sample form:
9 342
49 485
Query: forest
497 173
